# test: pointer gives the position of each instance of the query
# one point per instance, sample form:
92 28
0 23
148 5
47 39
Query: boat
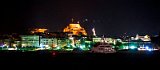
103 48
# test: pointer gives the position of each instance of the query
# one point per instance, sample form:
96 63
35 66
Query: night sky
109 17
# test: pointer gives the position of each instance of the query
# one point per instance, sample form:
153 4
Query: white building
48 42
30 40
106 40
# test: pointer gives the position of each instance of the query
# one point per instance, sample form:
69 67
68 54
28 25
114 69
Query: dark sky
109 17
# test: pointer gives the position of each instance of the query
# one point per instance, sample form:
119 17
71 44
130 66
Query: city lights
75 37
82 33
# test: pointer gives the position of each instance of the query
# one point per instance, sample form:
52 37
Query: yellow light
14 45
40 30
76 29
146 36
23 45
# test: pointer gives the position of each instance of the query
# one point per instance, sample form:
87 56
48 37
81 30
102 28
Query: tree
118 45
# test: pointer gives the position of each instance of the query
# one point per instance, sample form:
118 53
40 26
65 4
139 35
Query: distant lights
40 30
146 48
86 19
41 45
132 47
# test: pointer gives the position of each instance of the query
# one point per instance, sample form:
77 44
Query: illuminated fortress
75 28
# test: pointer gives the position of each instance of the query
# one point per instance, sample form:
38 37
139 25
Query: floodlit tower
94 32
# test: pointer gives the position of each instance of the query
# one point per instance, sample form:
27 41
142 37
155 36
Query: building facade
30 40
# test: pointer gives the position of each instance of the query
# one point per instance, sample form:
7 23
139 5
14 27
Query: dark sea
80 59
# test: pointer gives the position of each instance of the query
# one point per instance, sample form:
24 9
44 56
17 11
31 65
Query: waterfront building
30 40
47 42
107 40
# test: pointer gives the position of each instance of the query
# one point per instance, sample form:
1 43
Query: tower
94 32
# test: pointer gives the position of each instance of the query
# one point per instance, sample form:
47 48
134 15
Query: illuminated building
136 44
107 40
17 44
30 41
75 29
6 43
58 34
143 38
48 42
40 30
